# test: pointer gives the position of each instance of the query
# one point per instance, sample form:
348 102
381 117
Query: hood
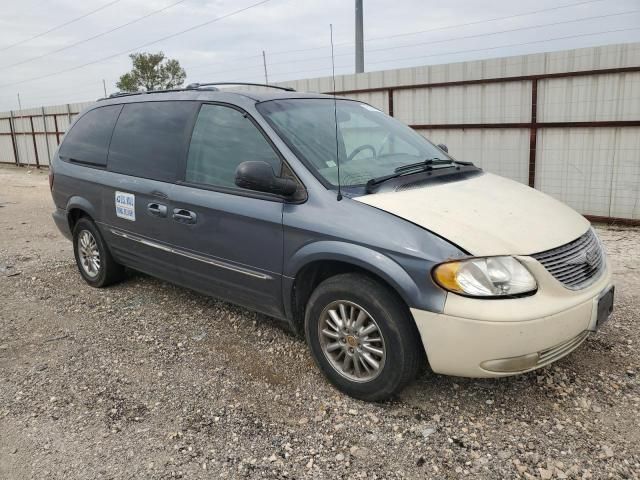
486 215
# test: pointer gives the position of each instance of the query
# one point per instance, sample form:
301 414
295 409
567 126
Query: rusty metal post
533 133
55 124
14 142
35 144
46 136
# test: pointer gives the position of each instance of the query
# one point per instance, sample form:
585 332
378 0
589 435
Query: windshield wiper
422 165
417 167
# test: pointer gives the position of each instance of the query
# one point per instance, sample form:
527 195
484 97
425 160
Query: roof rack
168 90
195 86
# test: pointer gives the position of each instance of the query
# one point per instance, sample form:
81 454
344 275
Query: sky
48 57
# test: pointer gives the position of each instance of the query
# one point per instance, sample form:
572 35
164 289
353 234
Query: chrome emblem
590 257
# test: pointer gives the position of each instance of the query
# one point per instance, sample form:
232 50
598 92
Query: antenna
335 112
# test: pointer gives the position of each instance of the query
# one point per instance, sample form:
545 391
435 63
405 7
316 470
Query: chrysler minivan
382 249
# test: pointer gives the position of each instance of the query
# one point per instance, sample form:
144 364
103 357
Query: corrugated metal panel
6 149
608 56
25 149
596 171
52 143
380 100
43 157
591 98
5 126
501 151
63 123
491 103
38 124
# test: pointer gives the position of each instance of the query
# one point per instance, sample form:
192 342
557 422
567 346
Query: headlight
485 277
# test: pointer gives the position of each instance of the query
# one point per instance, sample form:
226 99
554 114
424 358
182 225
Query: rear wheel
362 336
95 263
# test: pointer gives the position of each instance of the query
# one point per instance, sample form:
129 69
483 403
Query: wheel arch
318 261
79 207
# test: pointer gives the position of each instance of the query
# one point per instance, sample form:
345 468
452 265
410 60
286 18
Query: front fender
367 259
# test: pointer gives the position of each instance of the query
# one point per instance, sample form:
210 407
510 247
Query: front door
231 239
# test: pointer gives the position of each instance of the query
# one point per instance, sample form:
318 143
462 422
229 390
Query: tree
151 71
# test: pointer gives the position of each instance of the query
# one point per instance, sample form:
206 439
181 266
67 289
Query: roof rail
195 86
168 90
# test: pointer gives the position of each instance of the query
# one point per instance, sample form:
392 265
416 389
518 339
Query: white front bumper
472 334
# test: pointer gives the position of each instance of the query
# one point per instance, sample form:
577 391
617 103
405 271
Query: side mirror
443 147
259 176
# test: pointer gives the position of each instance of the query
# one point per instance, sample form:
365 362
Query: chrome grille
576 264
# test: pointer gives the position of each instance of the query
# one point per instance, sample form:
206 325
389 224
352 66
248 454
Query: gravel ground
148 380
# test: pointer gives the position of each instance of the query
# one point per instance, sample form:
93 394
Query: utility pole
264 62
24 132
359 38
104 87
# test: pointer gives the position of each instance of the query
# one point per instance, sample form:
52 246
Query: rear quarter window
151 139
88 140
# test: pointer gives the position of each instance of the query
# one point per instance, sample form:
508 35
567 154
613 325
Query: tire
94 261
398 341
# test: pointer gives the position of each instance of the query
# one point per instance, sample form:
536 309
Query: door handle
157 209
184 216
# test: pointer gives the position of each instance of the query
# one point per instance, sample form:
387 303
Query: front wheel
362 336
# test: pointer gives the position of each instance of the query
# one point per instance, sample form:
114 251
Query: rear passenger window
150 139
88 139
223 138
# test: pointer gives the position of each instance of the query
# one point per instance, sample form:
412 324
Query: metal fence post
33 137
533 133
16 156
46 136
55 124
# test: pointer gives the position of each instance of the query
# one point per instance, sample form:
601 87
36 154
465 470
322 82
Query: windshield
370 143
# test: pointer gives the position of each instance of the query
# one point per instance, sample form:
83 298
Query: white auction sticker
126 206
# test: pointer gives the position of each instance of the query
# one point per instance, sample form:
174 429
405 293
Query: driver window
223 138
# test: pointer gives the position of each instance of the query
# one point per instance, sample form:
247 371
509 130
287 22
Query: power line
511 30
80 42
391 60
508 17
166 37
542 25
446 27
57 27
511 45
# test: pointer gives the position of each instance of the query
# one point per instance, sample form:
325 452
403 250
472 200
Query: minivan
383 250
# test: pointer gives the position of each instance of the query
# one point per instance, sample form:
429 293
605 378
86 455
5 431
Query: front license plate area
605 307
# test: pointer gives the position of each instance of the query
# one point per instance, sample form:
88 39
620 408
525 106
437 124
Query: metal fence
566 123
29 137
